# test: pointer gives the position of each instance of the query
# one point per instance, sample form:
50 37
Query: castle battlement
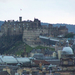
12 27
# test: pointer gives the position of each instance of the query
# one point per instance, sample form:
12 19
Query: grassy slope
19 47
15 45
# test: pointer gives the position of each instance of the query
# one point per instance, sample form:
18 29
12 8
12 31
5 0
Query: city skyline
49 11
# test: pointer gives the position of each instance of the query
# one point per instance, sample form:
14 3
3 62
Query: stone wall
33 35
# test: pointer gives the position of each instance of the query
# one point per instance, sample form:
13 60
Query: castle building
31 30
63 30
12 27
52 31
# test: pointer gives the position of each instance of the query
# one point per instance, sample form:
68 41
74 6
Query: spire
67 43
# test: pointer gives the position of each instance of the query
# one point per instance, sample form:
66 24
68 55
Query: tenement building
67 62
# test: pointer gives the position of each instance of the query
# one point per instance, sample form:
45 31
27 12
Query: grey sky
51 11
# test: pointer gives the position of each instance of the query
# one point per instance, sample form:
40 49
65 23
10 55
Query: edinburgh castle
31 30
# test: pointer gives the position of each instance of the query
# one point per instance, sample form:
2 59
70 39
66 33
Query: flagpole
20 12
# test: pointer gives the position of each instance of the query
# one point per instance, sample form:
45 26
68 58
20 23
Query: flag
20 9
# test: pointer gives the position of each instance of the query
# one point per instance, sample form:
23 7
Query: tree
69 35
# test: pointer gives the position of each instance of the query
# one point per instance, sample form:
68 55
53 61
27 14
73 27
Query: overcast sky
50 11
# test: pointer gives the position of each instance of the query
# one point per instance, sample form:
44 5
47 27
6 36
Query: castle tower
20 19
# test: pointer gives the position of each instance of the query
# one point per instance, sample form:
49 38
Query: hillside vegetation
15 45
8 42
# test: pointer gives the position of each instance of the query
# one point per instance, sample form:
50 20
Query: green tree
69 35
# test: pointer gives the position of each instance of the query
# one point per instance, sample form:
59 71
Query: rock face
32 36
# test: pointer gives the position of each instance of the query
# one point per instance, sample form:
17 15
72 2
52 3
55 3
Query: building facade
12 27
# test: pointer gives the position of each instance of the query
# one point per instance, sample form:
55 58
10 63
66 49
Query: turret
20 19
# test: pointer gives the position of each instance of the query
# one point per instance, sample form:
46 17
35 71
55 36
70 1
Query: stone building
67 62
32 36
55 31
52 31
31 30
63 30
12 27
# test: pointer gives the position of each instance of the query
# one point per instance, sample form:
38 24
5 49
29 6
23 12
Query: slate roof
54 62
4 73
41 61
56 74
44 51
